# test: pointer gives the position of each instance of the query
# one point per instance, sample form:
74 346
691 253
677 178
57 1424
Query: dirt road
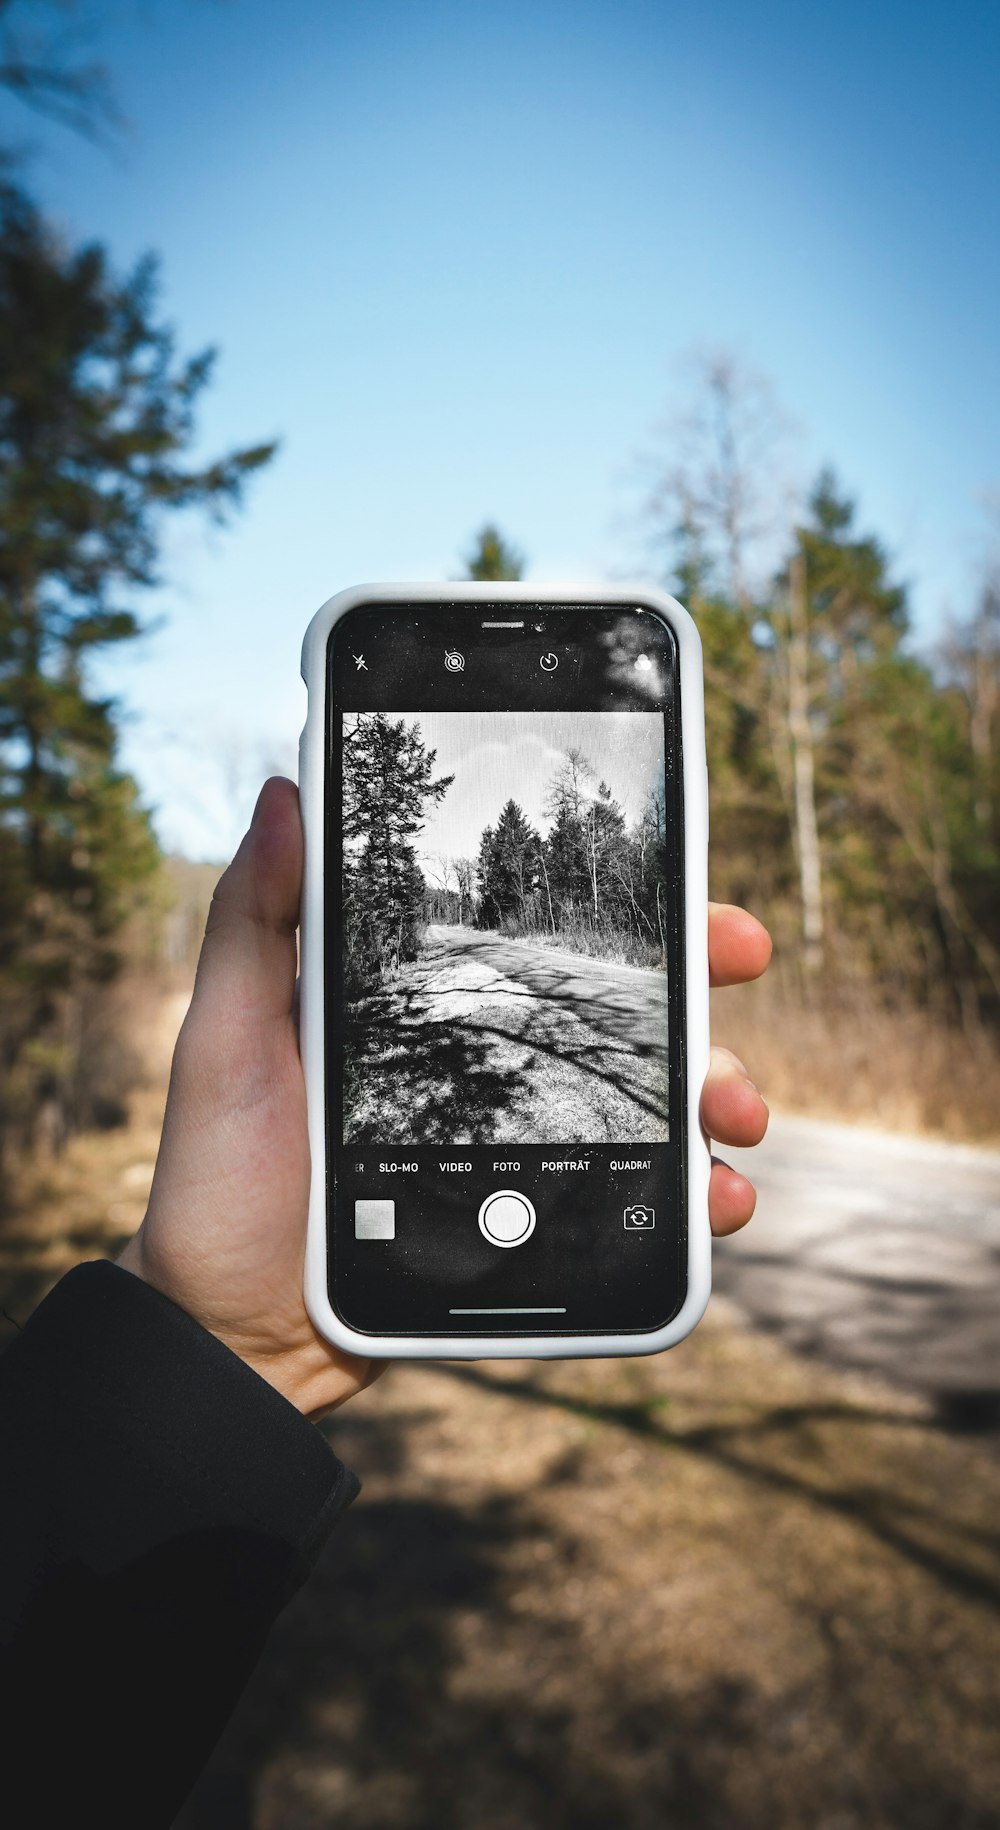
876 1251
485 1040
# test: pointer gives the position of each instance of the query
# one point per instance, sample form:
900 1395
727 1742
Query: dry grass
900 1071
87 1200
616 944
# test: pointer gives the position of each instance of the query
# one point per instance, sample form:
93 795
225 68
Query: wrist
305 1377
309 1374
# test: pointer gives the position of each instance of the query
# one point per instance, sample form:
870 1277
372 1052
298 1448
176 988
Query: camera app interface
503 960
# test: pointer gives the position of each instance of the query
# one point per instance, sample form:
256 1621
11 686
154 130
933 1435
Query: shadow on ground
933 1333
668 1618
457 1078
427 1074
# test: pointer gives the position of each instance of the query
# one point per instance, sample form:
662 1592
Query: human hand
732 1110
225 1230
224 1233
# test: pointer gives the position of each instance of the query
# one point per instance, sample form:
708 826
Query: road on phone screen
878 1252
482 1039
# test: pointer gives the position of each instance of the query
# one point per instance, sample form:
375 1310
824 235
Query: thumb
248 958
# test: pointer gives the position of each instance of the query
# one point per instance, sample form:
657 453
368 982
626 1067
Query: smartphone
504 999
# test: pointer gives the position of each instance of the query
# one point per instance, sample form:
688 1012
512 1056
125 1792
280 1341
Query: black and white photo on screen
506 905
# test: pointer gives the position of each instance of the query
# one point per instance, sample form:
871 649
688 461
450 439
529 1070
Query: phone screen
504 970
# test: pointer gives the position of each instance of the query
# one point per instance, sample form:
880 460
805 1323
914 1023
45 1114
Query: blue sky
453 257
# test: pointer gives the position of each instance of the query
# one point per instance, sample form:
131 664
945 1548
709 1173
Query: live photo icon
639 1218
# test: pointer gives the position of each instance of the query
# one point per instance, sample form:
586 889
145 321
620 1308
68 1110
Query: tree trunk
592 850
803 770
659 917
548 892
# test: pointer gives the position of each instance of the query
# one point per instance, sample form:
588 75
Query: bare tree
721 488
568 786
724 503
465 877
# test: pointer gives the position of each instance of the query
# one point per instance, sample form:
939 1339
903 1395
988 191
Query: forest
854 787
854 778
854 781
591 883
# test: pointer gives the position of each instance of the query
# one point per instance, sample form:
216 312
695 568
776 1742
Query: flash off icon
639 1218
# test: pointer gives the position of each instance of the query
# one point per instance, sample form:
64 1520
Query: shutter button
506 1218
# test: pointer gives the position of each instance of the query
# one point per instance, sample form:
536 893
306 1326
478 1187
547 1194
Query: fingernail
752 1084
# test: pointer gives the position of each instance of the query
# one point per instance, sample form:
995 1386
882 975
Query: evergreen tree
388 788
855 787
96 415
492 557
485 903
509 869
836 618
648 846
566 860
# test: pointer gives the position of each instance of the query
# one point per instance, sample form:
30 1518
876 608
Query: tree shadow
429 1083
880 1510
917 1328
444 1079
408 1687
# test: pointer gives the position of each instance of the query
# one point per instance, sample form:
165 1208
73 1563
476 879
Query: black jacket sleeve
160 1504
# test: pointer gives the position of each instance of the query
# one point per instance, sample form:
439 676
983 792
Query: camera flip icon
639 1219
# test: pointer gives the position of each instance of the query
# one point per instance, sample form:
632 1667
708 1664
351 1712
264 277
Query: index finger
739 946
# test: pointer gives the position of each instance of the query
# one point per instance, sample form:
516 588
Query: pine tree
837 616
566 861
96 415
509 869
388 788
492 557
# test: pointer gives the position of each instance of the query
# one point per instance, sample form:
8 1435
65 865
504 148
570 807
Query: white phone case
312 784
